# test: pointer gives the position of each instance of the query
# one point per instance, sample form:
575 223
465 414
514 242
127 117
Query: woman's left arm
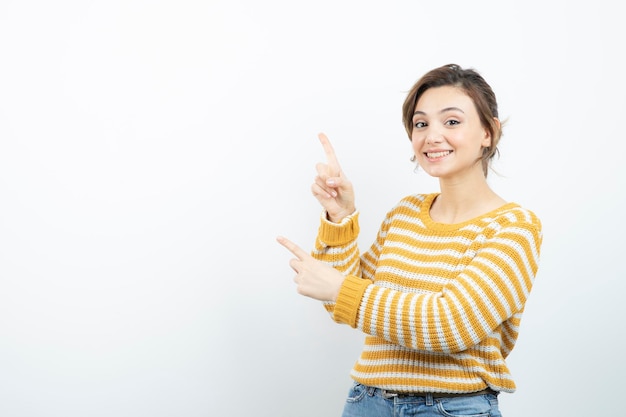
491 289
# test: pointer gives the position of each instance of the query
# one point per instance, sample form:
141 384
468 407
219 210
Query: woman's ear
487 139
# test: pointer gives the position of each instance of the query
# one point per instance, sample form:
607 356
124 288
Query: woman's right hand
331 187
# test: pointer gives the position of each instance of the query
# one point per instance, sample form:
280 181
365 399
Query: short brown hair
476 88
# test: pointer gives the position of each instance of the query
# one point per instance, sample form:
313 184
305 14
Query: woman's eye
452 122
420 124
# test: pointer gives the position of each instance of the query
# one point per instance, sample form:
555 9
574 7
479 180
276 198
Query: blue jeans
364 401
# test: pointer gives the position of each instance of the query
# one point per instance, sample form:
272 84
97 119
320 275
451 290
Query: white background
151 151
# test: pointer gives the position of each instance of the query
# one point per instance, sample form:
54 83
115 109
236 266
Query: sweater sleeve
490 290
337 245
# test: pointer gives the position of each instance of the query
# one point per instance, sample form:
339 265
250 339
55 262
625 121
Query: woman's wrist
340 217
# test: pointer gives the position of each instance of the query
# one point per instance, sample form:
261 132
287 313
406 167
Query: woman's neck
464 200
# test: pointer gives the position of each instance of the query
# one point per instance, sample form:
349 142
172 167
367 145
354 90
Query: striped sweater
440 304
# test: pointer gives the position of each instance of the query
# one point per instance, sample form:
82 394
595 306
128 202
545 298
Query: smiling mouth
435 155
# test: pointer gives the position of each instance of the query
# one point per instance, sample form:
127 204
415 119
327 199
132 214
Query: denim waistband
397 394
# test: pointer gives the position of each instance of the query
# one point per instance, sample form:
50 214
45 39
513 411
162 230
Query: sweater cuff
337 234
349 299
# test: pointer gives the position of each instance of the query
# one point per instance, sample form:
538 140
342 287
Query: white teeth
437 154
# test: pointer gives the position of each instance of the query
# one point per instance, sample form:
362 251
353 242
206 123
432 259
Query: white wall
150 152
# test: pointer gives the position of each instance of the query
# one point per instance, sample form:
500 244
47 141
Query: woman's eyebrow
447 109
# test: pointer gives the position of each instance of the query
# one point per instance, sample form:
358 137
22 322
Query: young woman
441 291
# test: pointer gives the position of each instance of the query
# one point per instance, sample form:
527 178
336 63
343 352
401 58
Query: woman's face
447 135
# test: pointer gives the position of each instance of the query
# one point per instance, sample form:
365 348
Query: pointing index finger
331 158
292 247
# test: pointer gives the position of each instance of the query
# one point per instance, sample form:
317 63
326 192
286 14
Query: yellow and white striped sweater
440 303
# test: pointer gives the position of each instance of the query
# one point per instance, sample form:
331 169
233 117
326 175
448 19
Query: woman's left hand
314 278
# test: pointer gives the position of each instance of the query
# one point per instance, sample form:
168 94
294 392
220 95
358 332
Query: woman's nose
433 137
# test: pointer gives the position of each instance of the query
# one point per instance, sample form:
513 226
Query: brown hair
476 88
